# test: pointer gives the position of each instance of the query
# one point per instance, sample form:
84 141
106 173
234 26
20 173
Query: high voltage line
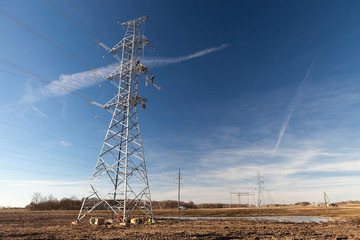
44 134
184 125
79 60
75 23
48 81
52 43
38 161
94 38
36 171
19 75
47 40
59 47
71 20
40 148
72 56
153 116
191 161
38 77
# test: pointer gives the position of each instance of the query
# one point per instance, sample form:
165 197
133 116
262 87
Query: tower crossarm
131 25
104 46
141 40
109 105
118 47
134 22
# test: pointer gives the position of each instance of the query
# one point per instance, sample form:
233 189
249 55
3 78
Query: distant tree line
303 203
213 205
39 203
169 204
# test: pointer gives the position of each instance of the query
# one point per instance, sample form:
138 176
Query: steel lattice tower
260 188
120 182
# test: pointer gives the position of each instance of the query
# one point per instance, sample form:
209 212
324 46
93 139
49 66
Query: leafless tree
36 198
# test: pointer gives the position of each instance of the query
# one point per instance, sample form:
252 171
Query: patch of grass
17 210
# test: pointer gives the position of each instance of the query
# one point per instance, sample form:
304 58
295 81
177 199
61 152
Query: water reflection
293 219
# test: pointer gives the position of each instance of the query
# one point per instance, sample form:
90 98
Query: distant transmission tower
119 183
260 188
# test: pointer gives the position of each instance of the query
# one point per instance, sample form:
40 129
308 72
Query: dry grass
23 224
348 211
344 211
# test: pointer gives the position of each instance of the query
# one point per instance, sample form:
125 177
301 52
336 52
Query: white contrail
161 61
68 83
292 106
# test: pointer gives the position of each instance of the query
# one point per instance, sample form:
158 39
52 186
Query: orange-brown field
23 224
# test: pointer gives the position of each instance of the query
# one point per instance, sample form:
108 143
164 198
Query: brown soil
56 225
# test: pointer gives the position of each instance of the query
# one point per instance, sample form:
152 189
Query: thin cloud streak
162 61
29 182
68 83
292 107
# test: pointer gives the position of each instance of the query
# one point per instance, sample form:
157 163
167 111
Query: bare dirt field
21 224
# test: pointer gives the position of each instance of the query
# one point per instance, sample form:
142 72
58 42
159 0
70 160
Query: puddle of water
293 219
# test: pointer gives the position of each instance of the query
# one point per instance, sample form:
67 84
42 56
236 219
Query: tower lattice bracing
119 182
260 188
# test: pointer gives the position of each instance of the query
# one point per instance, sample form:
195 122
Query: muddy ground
57 225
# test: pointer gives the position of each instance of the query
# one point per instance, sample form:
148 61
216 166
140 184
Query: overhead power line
27 27
184 125
40 148
49 41
44 134
71 19
40 78
88 19
36 170
172 150
43 162
19 75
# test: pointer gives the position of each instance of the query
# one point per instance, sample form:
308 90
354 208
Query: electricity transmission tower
239 195
260 188
119 182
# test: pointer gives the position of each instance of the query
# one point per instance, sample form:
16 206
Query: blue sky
246 86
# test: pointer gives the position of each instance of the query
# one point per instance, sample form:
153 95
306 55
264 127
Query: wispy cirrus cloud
65 143
292 107
68 83
305 170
